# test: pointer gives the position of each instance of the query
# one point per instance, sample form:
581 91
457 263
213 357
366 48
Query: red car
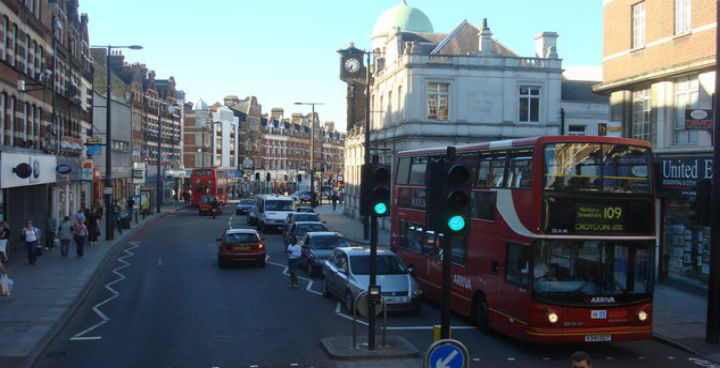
241 245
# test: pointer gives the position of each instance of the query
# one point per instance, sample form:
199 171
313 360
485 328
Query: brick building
658 64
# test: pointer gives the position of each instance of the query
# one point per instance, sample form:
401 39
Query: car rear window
307 217
386 265
247 201
241 238
309 228
329 242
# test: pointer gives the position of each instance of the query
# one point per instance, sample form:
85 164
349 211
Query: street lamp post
107 190
312 152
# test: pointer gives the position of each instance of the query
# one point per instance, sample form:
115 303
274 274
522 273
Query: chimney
485 39
546 45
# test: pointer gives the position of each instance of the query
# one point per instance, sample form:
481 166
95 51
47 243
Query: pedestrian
93 225
130 205
80 216
293 251
334 199
580 359
80 233
65 233
30 235
51 225
116 216
4 236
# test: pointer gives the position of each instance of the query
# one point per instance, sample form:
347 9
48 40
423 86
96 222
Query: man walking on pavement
130 205
51 228
116 216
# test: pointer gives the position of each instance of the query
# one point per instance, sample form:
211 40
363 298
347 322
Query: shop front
26 180
121 182
685 245
73 187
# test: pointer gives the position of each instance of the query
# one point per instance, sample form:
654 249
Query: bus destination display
570 215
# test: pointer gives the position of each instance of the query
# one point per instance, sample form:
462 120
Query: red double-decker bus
210 182
561 241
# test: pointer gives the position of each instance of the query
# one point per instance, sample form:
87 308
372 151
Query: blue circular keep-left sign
447 356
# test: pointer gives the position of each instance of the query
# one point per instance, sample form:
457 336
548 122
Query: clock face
352 65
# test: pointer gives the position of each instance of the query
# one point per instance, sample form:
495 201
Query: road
163 302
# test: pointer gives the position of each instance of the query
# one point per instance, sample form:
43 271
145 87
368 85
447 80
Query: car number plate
395 299
596 338
241 248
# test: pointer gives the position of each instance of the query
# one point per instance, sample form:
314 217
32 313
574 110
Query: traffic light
447 197
375 191
457 197
700 205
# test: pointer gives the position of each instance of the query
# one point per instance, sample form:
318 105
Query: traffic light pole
373 280
445 319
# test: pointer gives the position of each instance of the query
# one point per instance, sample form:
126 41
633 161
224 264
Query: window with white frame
3 99
25 121
11 44
682 16
638 25
5 36
641 115
529 104
438 96
686 97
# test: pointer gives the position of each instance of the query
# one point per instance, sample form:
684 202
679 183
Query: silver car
347 274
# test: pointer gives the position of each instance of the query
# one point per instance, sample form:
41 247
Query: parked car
300 216
252 216
317 246
347 274
299 229
302 196
244 206
307 209
241 245
207 204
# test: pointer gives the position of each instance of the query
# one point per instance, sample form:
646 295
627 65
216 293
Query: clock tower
352 72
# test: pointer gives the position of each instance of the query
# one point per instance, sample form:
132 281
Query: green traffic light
380 208
456 223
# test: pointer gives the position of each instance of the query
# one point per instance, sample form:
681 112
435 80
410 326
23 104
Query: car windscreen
239 238
328 242
302 229
386 265
306 217
208 200
271 205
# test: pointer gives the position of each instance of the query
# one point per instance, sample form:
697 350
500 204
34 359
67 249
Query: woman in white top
293 251
30 236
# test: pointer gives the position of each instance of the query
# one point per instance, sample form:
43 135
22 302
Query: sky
285 51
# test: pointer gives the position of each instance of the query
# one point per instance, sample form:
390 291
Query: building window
638 25
3 99
438 95
529 104
576 129
641 115
26 56
682 16
25 121
11 114
11 44
686 97
5 36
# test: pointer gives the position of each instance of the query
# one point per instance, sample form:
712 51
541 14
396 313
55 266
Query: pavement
47 294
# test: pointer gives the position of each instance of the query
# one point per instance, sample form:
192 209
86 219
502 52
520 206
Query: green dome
407 18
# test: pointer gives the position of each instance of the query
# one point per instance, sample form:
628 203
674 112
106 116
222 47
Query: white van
272 210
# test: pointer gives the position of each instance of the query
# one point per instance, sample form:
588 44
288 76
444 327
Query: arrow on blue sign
447 356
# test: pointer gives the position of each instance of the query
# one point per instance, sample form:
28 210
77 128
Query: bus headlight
642 316
552 317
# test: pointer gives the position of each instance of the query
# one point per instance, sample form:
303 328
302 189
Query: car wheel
325 289
261 264
349 302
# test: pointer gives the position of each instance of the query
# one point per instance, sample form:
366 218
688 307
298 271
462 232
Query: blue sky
284 51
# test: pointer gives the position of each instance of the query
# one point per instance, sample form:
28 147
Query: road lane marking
96 308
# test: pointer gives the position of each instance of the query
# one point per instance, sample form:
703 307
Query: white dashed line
671 357
511 359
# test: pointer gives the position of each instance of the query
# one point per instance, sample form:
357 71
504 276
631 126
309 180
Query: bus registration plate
597 338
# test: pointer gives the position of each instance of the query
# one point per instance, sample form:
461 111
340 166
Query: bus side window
414 238
517 262
483 173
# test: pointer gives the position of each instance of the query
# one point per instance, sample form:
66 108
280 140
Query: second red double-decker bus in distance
561 241
209 182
